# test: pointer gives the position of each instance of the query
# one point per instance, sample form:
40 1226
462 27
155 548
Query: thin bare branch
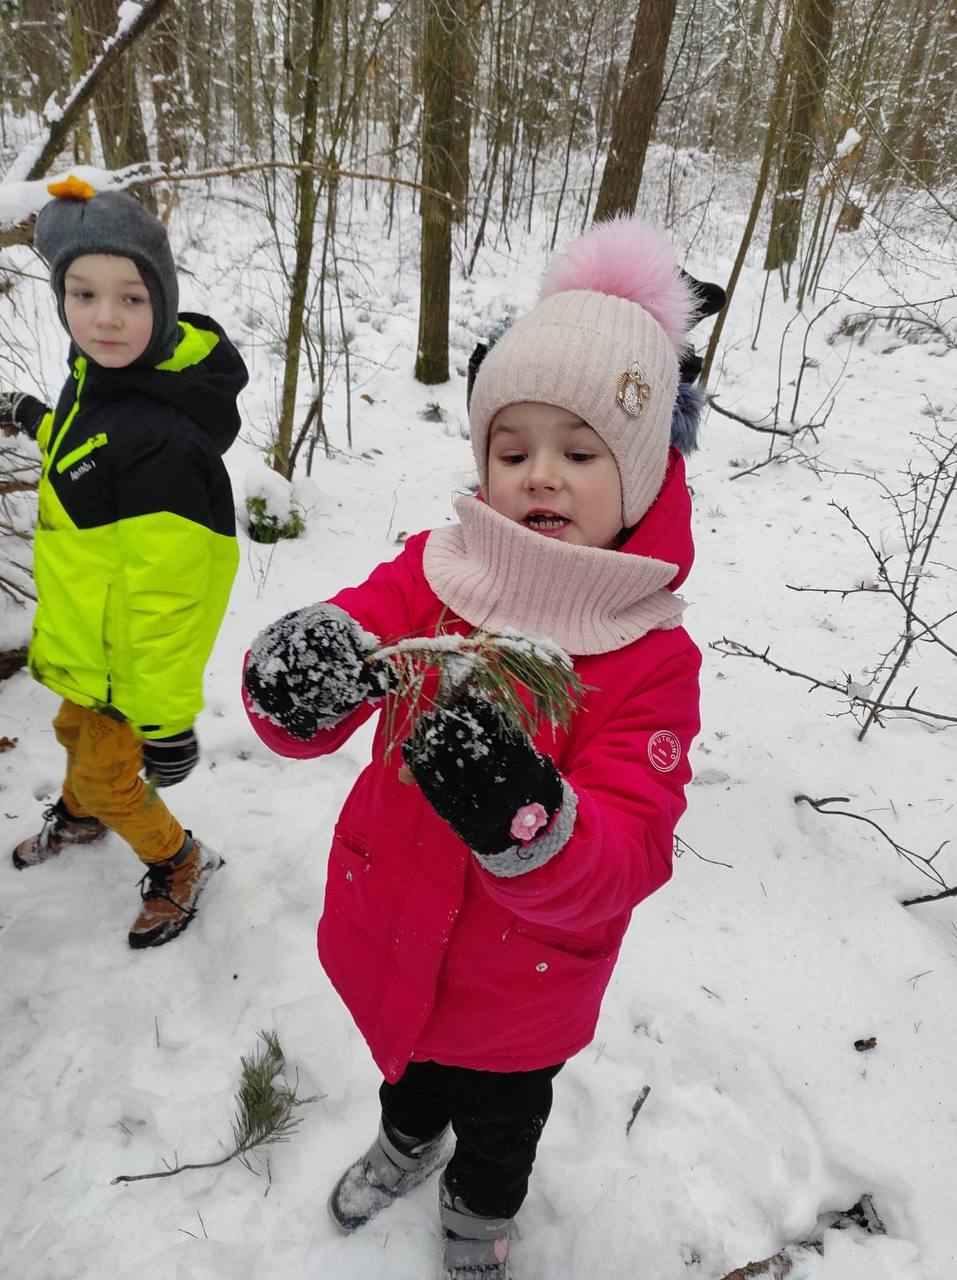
735 649
920 862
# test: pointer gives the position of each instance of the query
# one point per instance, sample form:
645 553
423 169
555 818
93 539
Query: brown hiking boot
170 892
60 828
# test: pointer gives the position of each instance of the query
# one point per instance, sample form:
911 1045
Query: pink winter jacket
435 957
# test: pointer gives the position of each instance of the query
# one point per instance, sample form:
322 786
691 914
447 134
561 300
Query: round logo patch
664 750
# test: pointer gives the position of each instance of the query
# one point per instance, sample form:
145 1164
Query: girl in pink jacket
472 920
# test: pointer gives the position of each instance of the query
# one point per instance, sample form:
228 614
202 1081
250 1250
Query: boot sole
170 929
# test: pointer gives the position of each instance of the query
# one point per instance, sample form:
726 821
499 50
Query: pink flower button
528 820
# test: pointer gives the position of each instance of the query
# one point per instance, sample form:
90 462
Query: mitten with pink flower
483 776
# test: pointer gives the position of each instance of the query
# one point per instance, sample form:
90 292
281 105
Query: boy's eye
135 299
579 455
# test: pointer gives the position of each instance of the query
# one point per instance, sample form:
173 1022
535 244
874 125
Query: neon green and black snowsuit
135 549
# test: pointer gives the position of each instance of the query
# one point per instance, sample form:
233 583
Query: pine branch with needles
529 678
265 1107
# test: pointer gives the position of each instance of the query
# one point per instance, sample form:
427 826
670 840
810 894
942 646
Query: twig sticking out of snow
639 1103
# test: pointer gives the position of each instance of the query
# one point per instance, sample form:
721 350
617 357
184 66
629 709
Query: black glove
170 760
475 363
20 412
306 671
709 299
482 776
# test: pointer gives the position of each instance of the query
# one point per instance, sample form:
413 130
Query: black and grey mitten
170 760
307 670
499 795
21 412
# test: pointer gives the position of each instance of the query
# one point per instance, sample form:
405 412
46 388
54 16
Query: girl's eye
579 456
81 295
135 299
511 459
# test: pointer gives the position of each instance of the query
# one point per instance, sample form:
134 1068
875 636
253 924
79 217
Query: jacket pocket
347 858
565 944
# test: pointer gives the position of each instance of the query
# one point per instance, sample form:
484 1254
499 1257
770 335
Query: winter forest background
360 192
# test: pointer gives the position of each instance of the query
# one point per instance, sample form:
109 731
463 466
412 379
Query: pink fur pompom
627 259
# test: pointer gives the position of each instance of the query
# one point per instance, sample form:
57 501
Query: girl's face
548 470
108 309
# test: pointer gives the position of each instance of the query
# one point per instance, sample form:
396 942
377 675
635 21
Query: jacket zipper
79 377
94 442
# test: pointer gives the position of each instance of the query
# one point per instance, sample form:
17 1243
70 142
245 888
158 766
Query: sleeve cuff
520 858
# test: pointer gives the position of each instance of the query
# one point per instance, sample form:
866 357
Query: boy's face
549 471
108 309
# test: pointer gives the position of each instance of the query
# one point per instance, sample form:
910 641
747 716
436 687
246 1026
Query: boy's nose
107 315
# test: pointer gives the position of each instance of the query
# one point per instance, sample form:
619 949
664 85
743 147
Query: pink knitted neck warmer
493 572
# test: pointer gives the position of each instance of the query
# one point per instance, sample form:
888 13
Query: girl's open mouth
546 522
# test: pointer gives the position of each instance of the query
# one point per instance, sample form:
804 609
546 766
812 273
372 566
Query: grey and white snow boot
386 1172
475 1248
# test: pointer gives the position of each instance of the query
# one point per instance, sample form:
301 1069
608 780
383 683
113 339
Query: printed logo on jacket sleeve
664 750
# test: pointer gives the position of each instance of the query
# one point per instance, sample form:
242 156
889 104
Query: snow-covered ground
743 984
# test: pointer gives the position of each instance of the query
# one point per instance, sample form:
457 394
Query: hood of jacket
202 379
664 532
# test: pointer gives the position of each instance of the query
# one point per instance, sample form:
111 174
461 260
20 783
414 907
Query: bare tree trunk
79 65
808 54
442 32
636 110
245 41
38 44
894 141
119 117
776 114
927 144
306 202
750 85
198 20
169 93
464 89
573 122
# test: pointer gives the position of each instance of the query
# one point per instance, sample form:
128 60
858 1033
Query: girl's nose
542 475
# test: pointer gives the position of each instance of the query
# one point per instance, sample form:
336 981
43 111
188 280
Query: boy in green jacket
135 548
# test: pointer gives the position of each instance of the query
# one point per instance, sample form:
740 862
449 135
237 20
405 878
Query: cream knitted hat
604 344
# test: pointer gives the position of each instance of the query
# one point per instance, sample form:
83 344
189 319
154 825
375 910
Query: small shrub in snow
433 412
265 525
271 509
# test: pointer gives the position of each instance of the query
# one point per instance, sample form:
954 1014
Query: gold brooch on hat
632 390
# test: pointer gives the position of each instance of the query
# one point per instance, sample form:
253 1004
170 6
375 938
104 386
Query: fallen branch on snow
862 1215
920 862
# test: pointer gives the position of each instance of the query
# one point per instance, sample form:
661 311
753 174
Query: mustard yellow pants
103 763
